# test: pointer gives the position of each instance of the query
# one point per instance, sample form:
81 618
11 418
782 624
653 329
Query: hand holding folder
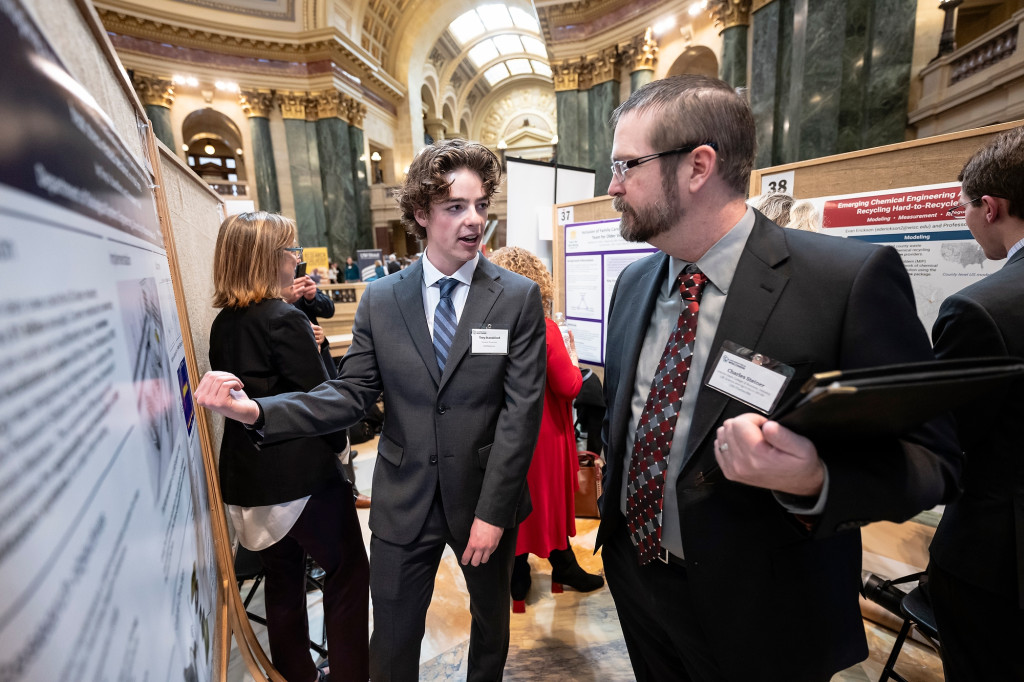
891 400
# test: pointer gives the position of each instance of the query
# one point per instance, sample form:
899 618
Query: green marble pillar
603 98
640 78
567 109
267 195
339 192
363 228
829 76
160 119
304 165
733 69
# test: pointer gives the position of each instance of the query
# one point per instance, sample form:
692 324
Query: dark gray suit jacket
981 536
783 596
470 431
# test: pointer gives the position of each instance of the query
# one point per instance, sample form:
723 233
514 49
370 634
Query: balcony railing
979 84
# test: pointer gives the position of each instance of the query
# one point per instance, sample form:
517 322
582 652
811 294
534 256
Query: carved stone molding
256 103
330 104
297 105
730 13
758 4
154 91
641 53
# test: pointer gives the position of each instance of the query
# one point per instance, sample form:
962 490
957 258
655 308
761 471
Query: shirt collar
1014 249
432 274
719 263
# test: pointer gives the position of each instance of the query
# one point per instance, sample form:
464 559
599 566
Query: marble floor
567 637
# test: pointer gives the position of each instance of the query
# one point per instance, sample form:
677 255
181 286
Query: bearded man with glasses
731 544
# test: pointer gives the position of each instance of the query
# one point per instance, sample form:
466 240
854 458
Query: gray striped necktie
445 322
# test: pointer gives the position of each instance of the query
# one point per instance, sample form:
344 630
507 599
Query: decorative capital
604 66
641 53
730 13
256 103
297 105
355 112
329 104
154 91
566 74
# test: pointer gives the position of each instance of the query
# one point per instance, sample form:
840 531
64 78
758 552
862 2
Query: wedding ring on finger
723 447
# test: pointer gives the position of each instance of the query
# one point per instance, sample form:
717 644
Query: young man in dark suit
977 555
457 347
731 544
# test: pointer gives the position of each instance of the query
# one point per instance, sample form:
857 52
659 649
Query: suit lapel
409 296
482 294
756 288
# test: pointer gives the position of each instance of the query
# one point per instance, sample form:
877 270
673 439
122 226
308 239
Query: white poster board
106 556
595 254
532 187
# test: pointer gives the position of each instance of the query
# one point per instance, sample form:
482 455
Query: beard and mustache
643 223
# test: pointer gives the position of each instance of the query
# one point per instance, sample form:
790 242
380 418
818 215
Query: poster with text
937 248
106 557
595 254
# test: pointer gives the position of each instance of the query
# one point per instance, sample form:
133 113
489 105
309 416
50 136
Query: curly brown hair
521 261
427 183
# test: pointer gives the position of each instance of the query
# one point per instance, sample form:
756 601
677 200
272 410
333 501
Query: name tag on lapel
750 377
490 341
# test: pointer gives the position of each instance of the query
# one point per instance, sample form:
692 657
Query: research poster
106 557
595 254
937 249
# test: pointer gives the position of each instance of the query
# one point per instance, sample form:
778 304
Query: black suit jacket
469 432
981 536
270 346
779 601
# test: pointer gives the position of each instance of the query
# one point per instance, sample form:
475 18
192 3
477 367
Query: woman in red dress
552 476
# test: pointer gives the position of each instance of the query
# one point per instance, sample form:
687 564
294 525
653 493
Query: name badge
750 377
490 341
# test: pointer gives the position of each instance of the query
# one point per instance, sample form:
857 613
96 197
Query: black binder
892 399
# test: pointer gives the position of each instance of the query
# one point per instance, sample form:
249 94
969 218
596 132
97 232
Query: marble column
603 98
363 228
257 107
734 18
641 56
157 96
339 192
830 76
571 108
304 166
435 128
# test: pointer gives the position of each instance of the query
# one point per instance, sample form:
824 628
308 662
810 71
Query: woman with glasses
288 499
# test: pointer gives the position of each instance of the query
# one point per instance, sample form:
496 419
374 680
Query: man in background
732 544
977 555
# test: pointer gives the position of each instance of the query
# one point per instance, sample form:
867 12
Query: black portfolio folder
890 400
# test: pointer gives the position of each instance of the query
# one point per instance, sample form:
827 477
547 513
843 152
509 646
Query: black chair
249 567
913 607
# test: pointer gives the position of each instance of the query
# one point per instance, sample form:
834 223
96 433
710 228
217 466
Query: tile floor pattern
569 637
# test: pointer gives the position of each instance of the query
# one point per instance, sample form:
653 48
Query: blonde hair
521 261
803 216
247 259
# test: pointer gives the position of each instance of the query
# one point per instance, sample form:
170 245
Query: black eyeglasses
297 250
619 168
960 210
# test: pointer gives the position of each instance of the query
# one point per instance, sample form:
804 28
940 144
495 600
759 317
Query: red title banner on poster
891 208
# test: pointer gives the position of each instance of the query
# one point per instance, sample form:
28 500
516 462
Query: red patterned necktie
649 461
